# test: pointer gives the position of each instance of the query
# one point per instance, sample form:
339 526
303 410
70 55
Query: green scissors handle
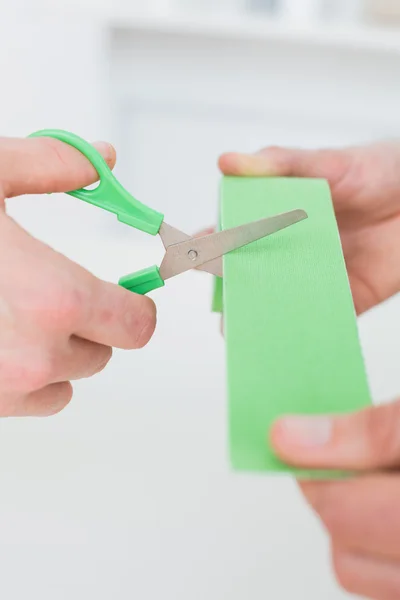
109 195
144 281
182 252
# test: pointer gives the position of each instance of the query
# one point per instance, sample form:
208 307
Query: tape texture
290 324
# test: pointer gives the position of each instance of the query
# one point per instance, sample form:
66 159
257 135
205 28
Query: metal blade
171 236
195 252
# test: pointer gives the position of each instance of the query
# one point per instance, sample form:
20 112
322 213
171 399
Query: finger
361 514
363 441
367 576
68 300
45 165
80 359
288 162
207 231
117 317
42 403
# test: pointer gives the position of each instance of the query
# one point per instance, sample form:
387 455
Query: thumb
362 441
45 165
287 162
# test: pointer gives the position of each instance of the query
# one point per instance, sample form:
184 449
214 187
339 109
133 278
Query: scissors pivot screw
192 254
182 252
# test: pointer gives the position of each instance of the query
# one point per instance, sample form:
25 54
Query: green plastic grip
143 282
109 195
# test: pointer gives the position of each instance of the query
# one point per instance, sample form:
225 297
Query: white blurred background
128 493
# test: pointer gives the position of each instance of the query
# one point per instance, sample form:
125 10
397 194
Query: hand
365 184
57 321
361 515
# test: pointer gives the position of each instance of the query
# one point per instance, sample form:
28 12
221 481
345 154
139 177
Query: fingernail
306 432
105 149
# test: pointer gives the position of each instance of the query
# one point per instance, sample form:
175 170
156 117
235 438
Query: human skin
361 515
58 322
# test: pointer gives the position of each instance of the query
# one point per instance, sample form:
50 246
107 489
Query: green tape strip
217 304
290 325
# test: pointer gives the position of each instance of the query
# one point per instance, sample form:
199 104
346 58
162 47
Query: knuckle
55 151
27 373
63 308
61 159
10 405
272 148
38 374
141 322
274 153
281 159
269 149
52 150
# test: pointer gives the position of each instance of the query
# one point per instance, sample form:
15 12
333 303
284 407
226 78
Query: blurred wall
128 493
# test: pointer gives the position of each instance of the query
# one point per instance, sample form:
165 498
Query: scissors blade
195 252
170 236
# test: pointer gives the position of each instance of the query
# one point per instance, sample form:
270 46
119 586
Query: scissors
182 252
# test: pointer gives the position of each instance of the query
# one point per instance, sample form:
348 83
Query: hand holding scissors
182 252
